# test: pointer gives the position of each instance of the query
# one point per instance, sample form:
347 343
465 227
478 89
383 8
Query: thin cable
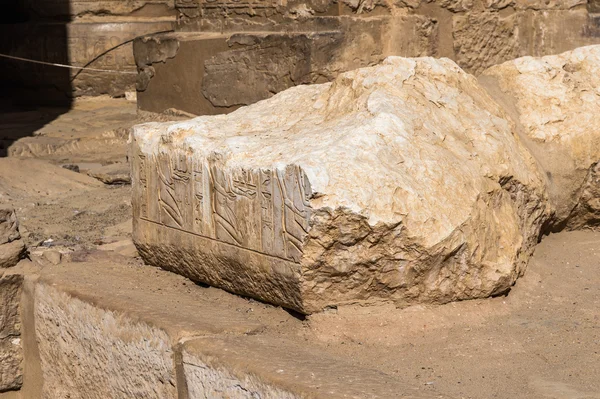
67 66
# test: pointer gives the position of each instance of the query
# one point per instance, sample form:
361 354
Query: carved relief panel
263 210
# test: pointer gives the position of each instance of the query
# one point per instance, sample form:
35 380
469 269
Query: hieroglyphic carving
186 3
223 200
259 209
267 232
182 189
170 213
143 180
198 189
296 212
244 183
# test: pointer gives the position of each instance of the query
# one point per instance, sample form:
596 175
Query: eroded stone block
257 66
209 73
555 101
103 325
484 39
402 182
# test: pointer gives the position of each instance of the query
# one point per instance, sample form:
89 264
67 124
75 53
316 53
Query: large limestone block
402 182
556 101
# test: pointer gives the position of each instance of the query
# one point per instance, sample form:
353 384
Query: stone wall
475 33
313 41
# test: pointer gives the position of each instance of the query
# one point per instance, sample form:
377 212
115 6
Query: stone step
106 329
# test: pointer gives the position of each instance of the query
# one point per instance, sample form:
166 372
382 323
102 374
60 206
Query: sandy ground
542 340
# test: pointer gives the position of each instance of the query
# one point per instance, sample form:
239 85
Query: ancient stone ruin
81 33
554 101
339 193
403 183
354 165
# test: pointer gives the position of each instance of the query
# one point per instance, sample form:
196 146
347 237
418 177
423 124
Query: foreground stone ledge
556 102
111 331
399 183
95 353
107 330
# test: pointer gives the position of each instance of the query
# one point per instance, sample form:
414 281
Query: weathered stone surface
9 226
272 45
556 100
52 256
340 193
484 39
11 253
11 356
116 173
552 32
61 9
257 67
548 4
12 248
89 352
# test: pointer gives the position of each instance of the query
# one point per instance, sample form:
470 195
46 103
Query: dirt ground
542 340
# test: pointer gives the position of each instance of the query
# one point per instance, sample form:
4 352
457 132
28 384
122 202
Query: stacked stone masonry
264 47
12 249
